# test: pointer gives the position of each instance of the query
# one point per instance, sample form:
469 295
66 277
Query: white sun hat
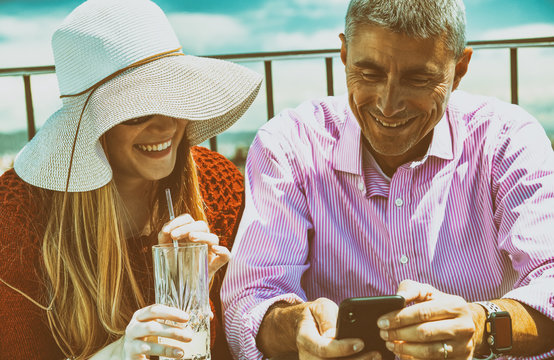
117 60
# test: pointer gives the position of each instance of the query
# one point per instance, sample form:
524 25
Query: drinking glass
181 281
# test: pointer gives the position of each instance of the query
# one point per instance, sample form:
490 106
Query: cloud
25 41
12 107
489 74
205 34
520 32
30 26
324 39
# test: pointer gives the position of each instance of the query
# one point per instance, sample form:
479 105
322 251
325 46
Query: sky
223 27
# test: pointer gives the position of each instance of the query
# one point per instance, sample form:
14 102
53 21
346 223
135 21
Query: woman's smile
155 150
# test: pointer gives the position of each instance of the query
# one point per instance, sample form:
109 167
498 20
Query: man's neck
389 163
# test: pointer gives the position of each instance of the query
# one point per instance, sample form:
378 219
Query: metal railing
268 57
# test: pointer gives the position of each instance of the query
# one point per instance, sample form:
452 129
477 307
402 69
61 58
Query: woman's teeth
155 147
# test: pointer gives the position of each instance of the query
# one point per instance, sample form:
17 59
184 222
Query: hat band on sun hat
147 60
104 54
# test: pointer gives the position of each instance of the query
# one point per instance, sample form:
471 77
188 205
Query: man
400 187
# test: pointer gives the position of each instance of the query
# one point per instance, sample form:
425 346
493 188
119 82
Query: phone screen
357 318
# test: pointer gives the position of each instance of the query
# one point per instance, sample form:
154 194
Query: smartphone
358 319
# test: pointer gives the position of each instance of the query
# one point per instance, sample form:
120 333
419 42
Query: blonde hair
92 289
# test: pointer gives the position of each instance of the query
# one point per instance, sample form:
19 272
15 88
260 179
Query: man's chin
386 151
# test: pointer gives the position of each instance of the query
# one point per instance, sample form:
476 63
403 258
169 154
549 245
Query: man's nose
390 99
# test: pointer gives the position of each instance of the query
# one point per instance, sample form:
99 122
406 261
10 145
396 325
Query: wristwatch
498 329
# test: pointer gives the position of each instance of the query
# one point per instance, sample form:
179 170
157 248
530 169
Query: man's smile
390 124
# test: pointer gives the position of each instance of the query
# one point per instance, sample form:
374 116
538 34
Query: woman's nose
162 123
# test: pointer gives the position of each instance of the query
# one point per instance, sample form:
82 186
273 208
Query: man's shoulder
322 118
478 112
472 107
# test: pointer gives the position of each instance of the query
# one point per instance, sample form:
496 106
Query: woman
85 201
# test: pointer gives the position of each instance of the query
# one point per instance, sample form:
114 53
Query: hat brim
212 94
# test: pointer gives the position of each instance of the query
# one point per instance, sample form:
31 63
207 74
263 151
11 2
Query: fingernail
178 353
376 356
358 346
183 315
383 323
390 345
384 335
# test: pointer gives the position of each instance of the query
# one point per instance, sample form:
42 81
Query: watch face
502 329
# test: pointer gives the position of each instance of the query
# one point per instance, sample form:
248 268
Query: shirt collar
441 144
347 151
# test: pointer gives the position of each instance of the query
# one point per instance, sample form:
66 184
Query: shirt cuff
539 296
548 355
253 320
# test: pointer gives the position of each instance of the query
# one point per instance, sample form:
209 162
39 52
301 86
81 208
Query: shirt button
399 202
403 259
361 186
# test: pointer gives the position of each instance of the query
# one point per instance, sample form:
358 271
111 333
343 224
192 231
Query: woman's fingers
219 256
150 323
162 312
164 236
185 228
141 330
204 238
149 348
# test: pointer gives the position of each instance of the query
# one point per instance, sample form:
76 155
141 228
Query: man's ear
461 67
343 48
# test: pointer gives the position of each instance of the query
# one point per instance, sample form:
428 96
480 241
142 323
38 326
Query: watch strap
490 307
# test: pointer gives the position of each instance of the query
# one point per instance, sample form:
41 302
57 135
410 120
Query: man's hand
437 322
308 329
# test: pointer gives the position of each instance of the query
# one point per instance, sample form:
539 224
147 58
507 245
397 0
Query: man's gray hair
421 19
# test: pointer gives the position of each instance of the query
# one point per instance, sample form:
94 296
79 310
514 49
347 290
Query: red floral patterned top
24 333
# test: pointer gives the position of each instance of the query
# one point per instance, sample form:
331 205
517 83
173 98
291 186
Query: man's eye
418 81
370 76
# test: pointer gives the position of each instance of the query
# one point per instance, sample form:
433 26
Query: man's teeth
155 147
389 124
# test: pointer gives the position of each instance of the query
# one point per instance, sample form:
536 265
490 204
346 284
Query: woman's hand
147 324
185 228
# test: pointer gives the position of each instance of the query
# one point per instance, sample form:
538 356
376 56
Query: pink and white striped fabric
474 217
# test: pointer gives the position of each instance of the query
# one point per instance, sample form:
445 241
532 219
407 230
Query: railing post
269 89
29 102
329 68
213 143
513 75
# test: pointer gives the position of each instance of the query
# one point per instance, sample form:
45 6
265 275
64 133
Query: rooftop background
226 27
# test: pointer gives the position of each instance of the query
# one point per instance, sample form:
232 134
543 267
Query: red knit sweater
24 333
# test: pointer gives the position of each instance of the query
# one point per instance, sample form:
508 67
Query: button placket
404 259
399 214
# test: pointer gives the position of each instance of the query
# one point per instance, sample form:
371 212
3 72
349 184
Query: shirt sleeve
271 249
523 193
